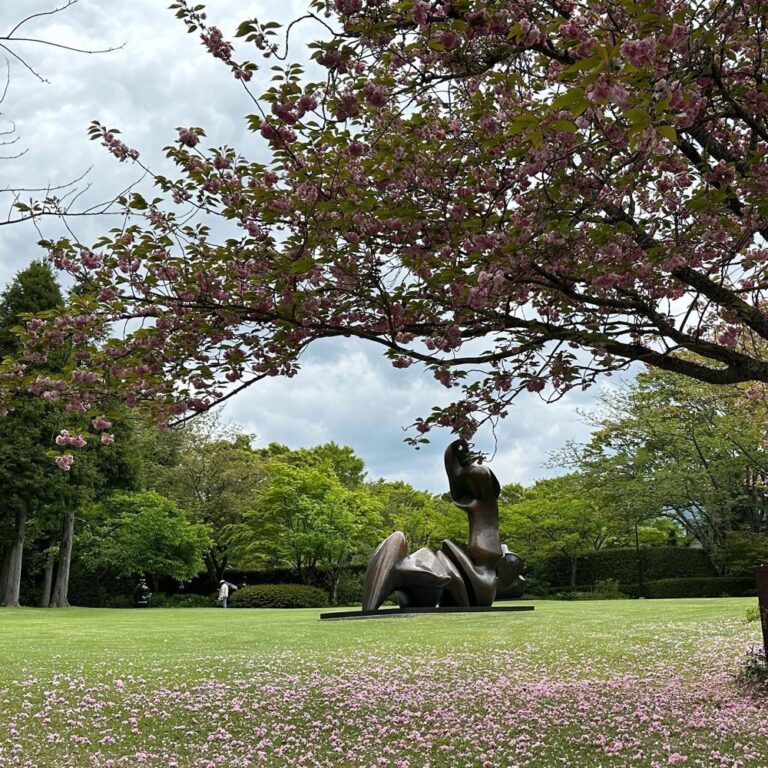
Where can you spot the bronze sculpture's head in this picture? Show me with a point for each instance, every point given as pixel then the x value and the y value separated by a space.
pixel 468 481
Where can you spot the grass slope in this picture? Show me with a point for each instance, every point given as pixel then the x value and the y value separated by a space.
pixel 623 683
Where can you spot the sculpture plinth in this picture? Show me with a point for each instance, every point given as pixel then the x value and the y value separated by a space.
pixel 450 577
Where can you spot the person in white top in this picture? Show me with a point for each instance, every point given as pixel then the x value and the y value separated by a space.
pixel 223 594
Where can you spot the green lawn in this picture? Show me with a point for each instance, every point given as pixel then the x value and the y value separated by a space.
pixel 646 683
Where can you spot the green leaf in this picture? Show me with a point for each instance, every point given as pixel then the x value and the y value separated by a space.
pixel 579 66
pixel 638 116
pixel 568 99
pixel 668 132
pixel 300 265
pixel 138 203
pixel 563 125
pixel 521 123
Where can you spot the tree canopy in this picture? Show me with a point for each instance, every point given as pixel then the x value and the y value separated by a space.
pixel 210 471
pixel 137 533
pixel 688 451
pixel 520 196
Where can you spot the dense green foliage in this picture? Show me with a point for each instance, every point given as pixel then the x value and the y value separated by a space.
pixel 692 453
pixel 161 600
pixel 210 471
pixel 279 596
pixel 701 586
pixel 622 564
pixel 34 289
pixel 144 532
pixel 558 517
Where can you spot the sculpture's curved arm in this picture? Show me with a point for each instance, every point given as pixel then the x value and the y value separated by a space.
pixel 475 488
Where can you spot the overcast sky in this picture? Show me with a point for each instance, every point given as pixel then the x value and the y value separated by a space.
pixel 160 79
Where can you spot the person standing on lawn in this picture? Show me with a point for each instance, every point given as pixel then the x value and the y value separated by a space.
pixel 223 594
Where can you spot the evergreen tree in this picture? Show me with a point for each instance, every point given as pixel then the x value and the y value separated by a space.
pixel 25 433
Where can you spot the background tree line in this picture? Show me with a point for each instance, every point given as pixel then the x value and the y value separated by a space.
pixel 176 503
pixel 671 462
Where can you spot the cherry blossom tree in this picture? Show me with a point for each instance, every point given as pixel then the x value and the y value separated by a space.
pixel 517 195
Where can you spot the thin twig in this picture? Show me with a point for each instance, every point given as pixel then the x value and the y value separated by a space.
pixel 42 13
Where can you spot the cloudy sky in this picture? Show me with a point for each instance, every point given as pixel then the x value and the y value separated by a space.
pixel 162 78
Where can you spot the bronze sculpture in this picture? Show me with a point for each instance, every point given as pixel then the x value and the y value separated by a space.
pixel 450 577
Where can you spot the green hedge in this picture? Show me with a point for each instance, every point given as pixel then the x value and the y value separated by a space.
pixel 279 596
pixel 621 564
pixel 704 586
pixel 712 586
pixel 160 600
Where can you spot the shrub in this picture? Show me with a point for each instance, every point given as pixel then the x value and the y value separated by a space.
pixel 161 600
pixel 713 586
pixel 754 668
pixel 675 563
pixel 621 565
pixel 607 589
pixel 534 586
pixel 279 596
pixel 119 601
pixel 191 601
pixel 752 614
pixel 349 590
pixel 158 600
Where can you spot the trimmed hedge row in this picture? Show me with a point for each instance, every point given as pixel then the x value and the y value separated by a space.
pixel 182 601
pixel 705 586
pixel 279 596
pixel 658 563
pixel 712 586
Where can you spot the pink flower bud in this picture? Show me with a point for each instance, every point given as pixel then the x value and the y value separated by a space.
pixel 188 137
pixel 64 462
pixel 62 438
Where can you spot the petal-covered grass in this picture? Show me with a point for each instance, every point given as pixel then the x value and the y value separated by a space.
pixel 623 683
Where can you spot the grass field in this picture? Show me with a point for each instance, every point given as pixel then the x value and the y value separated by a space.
pixel 623 683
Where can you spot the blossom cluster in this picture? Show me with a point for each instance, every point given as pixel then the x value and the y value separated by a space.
pixel 65 438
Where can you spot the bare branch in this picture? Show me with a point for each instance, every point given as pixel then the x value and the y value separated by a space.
pixel 40 41
pixel 42 13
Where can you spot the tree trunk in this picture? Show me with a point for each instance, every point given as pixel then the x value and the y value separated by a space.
pixel 12 565
pixel 45 597
pixel 335 576
pixel 572 576
pixel 5 553
pixel 214 567
pixel 61 588
pixel 210 567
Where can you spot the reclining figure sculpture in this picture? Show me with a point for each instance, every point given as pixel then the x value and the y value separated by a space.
pixel 450 577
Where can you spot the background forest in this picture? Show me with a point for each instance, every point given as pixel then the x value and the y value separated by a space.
pixel 668 498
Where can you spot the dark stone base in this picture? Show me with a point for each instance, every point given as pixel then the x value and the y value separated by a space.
pixel 386 613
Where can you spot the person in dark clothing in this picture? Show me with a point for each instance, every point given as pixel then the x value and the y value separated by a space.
pixel 141 594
